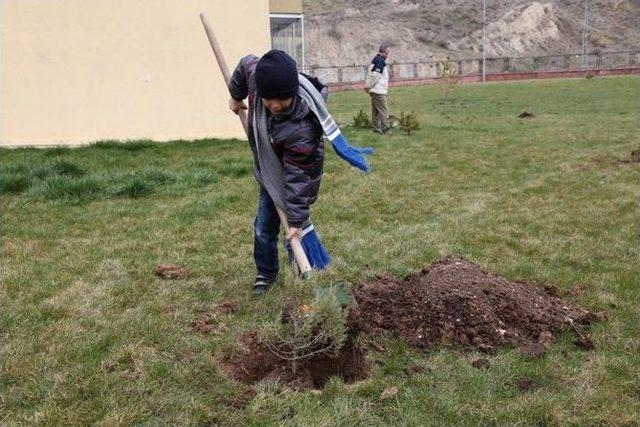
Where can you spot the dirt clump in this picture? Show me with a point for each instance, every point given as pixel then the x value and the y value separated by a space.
pixel 228 306
pixel 456 302
pixel 242 399
pixel 481 364
pixel 634 157
pixel 527 384
pixel 532 349
pixel 526 115
pixel 546 339
pixel 584 343
pixel 207 320
pixel 417 369
pixel 576 291
pixel 389 393
pixel 170 271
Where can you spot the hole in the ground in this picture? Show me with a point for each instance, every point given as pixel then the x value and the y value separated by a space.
pixel 259 363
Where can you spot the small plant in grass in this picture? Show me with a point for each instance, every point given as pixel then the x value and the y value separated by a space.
pixel 589 75
pixel 361 120
pixel 305 330
pixel 449 77
pixel 409 122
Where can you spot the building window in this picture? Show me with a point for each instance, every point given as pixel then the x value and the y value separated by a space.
pixel 287 33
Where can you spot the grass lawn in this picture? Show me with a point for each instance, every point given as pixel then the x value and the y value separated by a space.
pixel 89 335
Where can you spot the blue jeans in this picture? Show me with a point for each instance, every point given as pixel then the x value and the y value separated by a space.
pixel 266 227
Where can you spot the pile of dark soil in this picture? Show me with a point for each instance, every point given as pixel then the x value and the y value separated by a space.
pixel 457 302
pixel 635 156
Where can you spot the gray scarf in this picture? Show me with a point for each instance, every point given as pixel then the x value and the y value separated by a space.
pixel 270 175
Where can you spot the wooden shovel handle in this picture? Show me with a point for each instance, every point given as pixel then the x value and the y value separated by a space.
pixel 296 246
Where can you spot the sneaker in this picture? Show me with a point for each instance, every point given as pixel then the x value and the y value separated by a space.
pixel 387 132
pixel 261 285
pixel 377 131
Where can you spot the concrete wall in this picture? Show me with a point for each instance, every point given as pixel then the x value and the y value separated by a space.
pixel 76 71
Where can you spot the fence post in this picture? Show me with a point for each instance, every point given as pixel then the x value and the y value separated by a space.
pixel 480 70
pixel 339 74
pixel 415 70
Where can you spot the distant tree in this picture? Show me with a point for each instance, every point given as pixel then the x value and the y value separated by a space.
pixel 361 120
pixel 449 77
pixel 409 122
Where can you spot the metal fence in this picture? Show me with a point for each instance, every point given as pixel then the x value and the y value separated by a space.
pixel 468 67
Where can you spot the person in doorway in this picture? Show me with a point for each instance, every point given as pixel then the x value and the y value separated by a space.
pixel 377 86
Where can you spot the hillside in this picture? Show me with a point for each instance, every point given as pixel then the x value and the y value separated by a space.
pixel 344 32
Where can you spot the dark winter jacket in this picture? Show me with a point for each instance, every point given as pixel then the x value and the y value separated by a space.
pixel 296 137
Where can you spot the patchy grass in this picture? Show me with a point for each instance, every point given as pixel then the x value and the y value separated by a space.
pixel 236 169
pixel 67 182
pixel 126 146
pixel 90 335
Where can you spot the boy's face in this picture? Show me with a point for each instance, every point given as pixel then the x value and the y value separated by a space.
pixel 277 106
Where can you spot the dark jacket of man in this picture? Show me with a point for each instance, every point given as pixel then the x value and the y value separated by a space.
pixel 296 136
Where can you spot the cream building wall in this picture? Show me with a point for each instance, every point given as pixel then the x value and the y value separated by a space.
pixel 77 71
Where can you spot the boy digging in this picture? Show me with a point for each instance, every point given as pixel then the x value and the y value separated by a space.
pixel 287 120
pixel 295 135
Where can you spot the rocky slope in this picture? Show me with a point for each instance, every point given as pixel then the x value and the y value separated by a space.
pixel 345 32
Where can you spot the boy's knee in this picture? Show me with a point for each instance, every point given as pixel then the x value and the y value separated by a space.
pixel 265 228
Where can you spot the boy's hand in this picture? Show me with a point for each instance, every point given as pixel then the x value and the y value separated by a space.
pixel 294 232
pixel 236 106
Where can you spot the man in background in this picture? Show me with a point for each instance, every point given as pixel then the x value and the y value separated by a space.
pixel 377 86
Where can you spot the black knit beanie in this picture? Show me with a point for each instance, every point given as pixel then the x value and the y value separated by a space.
pixel 277 75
